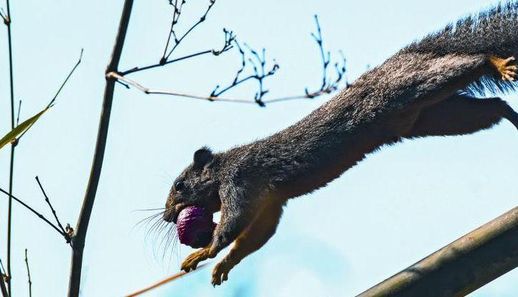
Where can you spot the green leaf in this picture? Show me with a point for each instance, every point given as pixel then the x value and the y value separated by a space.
pixel 20 129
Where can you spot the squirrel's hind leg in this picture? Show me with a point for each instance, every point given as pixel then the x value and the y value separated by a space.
pixel 461 114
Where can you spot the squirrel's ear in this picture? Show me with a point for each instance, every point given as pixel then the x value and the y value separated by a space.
pixel 202 157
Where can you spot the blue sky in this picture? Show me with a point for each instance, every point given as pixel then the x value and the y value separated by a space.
pixel 397 206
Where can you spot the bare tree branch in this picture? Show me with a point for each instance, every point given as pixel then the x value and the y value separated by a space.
pixel 165 59
pixel 4 17
pixel 29 281
pixel 51 207
pixel 177 41
pixel 328 85
pixel 39 215
pixel 3 288
pixel 3 277
pixel 142 68
pixel 249 56
pixel 150 91
pixel 176 16
pixel 7 21
pixel 258 63
pixel 19 111
pixel 2 268
pixel 11 174
pixel 78 241
pixel 229 37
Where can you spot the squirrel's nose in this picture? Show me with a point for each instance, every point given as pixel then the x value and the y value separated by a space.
pixel 169 215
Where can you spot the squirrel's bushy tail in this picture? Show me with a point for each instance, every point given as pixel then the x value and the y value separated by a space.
pixel 492 32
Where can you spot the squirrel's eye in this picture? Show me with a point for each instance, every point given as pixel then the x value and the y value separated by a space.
pixel 179 185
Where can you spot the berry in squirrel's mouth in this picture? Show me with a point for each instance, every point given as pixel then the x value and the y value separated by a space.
pixel 195 226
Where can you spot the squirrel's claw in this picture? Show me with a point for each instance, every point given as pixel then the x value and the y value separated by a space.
pixel 220 273
pixel 191 262
pixel 506 67
pixel 510 73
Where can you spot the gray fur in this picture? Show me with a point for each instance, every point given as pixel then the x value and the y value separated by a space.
pixel 492 32
pixel 411 95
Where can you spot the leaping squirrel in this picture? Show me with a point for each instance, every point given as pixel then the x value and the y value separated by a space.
pixel 425 89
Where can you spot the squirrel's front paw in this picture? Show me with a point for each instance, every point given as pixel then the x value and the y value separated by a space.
pixel 220 272
pixel 191 262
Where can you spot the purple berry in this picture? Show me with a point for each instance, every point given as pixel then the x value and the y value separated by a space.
pixel 195 226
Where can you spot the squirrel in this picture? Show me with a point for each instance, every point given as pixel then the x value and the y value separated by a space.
pixel 428 88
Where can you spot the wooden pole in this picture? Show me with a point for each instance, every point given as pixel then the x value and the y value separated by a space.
pixel 461 267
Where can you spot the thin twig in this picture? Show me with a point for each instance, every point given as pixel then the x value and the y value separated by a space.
pixel 176 16
pixel 3 276
pixel 19 111
pixel 4 17
pixel 123 84
pixel 328 85
pixel 173 22
pixel 78 241
pixel 326 57
pixel 166 56
pixel 66 79
pixel 236 80
pixel 142 68
pixel 179 40
pixel 260 73
pixel 3 289
pixel 28 273
pixel 50 205
pixel 9 215
pixel 53 100
pixel 39 215
pixel 150 91
pixel 8 21
pixel 227 46
pixel 258 63
pixel 163 282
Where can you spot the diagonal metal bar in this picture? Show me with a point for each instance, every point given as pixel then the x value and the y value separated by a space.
pixel 461 267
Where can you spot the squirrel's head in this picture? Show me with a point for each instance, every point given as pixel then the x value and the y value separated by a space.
pixel 197 185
